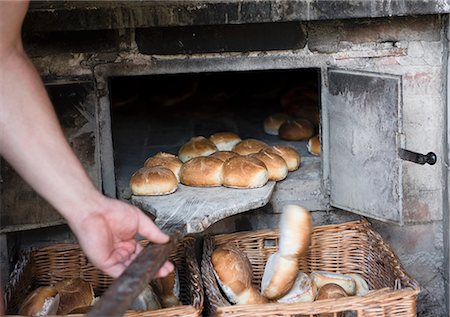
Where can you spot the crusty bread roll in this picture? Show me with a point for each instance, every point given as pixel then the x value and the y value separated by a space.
pixel 153 181
pixel 224 155
pixel 234 274
pixel 303 291
pixel 279 276
pixel 244 172
pixel 225 141
pixel 168 289
pixel 275 165
pixel 273 122
pixel 74 293
pixel 331 291
pixel 289 154
pixel 249 146
pixel 41 302
pixel 296 130
pixel 195 147
pixel 202 171
pixel 314 145
pixel 362 288
pixel 166 160
pixel 295 238
pixel 321 278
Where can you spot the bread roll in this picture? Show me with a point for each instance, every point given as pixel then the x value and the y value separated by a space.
pixel 273 122
pixel 303 291
pixel 296 130
pixel 224 155
pixel 362 288
pixel 168 289
pixel 244 172
pixel 234 274
pixel 331 291
pixel 153 181
pixel 41 302
pixel 225 141
pixel 314 145
pixel 279 276
pixel 320 279
pixel 195 147
pixel 74 293
pixel 295 237
pixel 274 163
pixel 202 171
pixel 289 154
pixel 249 146
pixel 166 160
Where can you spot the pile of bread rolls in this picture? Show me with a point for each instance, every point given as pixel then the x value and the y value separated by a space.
pixel 282 281
pixel 223 159
pixel 76 296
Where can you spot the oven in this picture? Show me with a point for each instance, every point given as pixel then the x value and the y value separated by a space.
pixel 130 79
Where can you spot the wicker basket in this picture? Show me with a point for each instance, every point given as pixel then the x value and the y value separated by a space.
pixel 352 247
pixel 48 265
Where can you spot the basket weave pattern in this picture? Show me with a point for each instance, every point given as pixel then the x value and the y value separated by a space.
pixel 48 265
pixel 352 247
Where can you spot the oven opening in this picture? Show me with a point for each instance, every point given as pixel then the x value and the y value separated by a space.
pixel 159 113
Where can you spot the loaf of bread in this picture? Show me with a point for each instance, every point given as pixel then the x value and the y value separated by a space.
pixel 295 238
pixel 314 145
pixel 224 155
pixel 244 172
pixel 289 154
pixel 225 141
pixel 41 302
pixel 275 164
pixel 234 274
pixel 296 130
pixel 362 288
pixel 168 289
pixel 153 181
pixel 202 171
pixel 249 146
pixel 321 278
pixel 74 293
pixel 303 291
pixel 166 160
pixel 273 122
pixel 331 291
pixel 195 147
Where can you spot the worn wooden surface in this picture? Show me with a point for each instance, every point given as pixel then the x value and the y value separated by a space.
pixel 200 207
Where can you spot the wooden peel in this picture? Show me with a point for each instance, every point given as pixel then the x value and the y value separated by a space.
pixel 188 210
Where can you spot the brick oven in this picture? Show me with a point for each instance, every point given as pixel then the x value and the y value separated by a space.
pixel 129 79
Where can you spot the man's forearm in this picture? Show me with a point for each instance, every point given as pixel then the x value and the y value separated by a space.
pixel 32 141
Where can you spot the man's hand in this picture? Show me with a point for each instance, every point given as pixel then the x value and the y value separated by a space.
pixel 107 236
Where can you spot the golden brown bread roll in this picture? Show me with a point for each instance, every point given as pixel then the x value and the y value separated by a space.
pixel 273 122
pixel 362 288
pixel 195 147
pixel 321 278
pixel 225 141
pixel 249 146
pixel 275 164
pixel 153 181
pixel 331 291
pixel 314 145
pixel 168 289
pixel 166 160
pixel 295 238
pixel 234 274
pixel 244 172
pixel 224 155
pixel 41 302
pixel 74 293
pixel 202 171
pixel 289 154
pixel 296 130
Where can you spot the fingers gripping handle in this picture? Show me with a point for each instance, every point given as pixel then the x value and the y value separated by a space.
pixel 122 292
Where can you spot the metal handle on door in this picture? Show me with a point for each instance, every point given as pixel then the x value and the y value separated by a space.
pixel 429 158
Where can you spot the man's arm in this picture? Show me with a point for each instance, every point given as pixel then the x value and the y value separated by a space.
pixel 32 141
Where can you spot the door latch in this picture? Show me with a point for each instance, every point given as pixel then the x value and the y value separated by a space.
pixel 418 158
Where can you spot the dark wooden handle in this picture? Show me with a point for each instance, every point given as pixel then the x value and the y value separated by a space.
pixel 122 292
